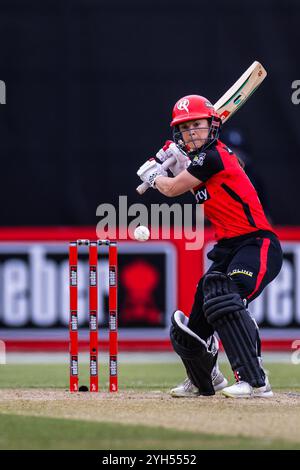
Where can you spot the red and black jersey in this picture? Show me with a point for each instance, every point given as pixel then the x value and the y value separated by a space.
pixel 231 201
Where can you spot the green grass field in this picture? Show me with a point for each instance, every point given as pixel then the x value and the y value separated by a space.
pixel 43 424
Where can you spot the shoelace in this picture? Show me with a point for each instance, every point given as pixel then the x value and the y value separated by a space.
pixel 188 385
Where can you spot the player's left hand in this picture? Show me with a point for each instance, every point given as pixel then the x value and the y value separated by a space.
pixel 150 170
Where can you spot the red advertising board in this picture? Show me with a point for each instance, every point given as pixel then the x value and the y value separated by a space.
pixel 156 277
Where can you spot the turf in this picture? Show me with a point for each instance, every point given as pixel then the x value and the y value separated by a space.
pixel 35 432
pixel 26 432
pixel 131 376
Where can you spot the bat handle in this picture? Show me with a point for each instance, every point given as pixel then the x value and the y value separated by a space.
pixel 142 188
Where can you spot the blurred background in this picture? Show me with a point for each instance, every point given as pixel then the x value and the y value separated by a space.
pixel 90 86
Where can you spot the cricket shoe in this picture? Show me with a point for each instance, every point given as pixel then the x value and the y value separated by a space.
pixel 244 390
pixel 218 379
pixel 188 390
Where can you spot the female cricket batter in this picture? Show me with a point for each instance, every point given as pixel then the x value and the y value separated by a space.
pixel 246 257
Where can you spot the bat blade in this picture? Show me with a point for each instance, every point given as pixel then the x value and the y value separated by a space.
pixel 240 91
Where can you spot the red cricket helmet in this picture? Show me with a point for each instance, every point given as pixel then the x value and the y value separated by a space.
pixel 192 107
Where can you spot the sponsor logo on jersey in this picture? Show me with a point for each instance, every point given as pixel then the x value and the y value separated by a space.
pixel 241 271
pixel 199 159
pixel 202 195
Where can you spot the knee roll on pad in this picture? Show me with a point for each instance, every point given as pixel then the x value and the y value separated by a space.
pixel 198 356
pixel 224 305
pixel 225 311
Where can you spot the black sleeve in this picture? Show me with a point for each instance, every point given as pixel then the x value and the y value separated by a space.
pixel 206 164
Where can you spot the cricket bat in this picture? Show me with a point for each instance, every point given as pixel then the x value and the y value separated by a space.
pixel 230 102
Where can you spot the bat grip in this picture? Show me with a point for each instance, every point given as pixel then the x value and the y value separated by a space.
pixel 142 188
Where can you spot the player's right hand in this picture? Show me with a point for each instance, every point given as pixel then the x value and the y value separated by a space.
pixel 169 150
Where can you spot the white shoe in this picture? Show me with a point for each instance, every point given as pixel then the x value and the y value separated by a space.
pixel 244 390
pixel 185 389
pixel 218 379
pixel 188 390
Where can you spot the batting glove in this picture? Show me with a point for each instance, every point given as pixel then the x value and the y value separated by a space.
pixel 169 150
pixel 150 170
